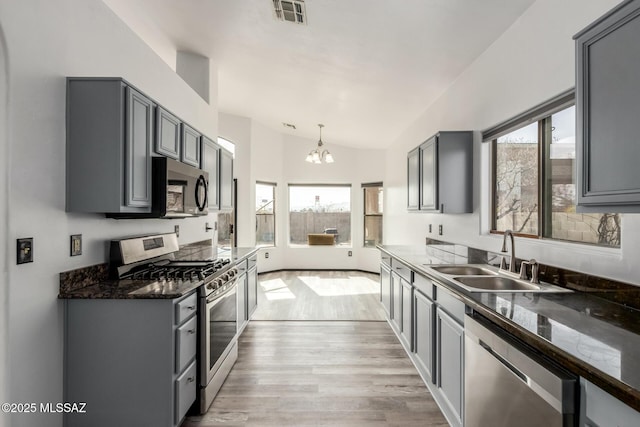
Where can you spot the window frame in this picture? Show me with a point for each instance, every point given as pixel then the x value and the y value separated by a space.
pixel 542 114
pixel 336 185
pixel 365 214
pixel 274 186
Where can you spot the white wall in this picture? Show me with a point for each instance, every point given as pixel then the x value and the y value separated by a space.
pixel 530 63
pixel 47 41
pixel 271 156
pixel 4 217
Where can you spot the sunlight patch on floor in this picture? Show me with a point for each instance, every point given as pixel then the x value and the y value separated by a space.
pixel 276 289
pixel 331 287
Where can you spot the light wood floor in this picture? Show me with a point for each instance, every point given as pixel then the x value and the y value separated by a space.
pixel 318 352
pixel 319 295
pixel 321 373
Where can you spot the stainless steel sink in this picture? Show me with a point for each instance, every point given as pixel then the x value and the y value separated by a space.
pixel 463 270
pixel 497 283
pixel 503 284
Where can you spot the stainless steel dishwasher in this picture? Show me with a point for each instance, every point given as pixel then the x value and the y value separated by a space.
pixel 507 385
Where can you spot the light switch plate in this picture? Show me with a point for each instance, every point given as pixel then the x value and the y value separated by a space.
pixel 76 245
pixel 24 250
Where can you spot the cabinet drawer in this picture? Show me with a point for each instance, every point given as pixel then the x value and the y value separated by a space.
pixel 453 306
pixel 252 262
pixel 242 267
pixel 401 270
pixel 385 259
pixel 424 285
pixel 185 392
pixel 186 343
pixel 186 308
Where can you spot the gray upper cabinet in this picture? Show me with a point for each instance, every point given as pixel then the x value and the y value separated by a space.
pixel 190 146
pixel 440 174
pixel 109 137
pixel 167 134
pixel 413 180
pixel 429 175
pixel 211 163
pixel 226 180
pixel 607 108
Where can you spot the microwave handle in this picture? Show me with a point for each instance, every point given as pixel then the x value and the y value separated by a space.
pixel 201 182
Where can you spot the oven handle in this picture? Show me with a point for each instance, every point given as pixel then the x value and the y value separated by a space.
pixel 216 297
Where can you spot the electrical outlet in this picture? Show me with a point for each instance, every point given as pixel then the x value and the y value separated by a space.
pixel 440 229
pixel 430 230
pixel 176 229
pixel 76 245
pixel 350 253
pixel 24 250
pixel 266 254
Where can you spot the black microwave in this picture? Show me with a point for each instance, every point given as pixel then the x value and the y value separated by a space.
pixel 179 190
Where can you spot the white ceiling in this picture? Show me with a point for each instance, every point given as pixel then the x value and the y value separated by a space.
pixel 366 69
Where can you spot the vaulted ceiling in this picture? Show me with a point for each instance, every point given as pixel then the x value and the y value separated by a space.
pixel 366 69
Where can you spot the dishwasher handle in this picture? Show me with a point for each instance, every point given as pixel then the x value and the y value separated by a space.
pixel 553 384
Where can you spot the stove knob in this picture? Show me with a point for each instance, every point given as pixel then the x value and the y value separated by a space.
pixel 210 286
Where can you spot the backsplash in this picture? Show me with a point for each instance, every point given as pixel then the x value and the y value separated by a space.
pixel 611 290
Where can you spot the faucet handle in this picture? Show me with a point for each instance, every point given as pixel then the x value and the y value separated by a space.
pixel 523 269
pixel 535 269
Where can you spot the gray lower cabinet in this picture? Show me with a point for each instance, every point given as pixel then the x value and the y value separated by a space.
pixel 607 111
pixel 210 162
pixel 109 138
pixel 132 361
pixel 190 146
pixel 385 289
pixel 423 330
pixel 406 331
pixel 252 286
pixel 440 174
pixel 241 297
pixel 450 363
pixel 168 134
pixel 226 180
pixel 600 409
pixel 396 302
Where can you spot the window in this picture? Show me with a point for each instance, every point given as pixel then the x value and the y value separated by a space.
pixel 534 188
pixel 372 214
pixel 319 209
pixel 265 214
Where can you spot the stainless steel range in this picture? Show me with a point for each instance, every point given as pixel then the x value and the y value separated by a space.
pixel 153 259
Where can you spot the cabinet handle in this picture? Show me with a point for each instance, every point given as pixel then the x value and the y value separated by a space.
pixel 191 331
pixel 191 307
pixel 190 379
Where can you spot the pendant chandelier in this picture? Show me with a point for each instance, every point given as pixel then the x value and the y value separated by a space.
pixel 320 154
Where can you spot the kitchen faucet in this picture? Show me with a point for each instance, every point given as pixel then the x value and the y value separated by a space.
pixel 512 262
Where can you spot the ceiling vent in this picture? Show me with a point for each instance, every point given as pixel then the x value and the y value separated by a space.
pixel 290 10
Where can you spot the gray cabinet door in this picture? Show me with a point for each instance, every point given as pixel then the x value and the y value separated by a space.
pixel 407 315
pixel 167 134
pixel 450 361
pixel 139 132
pixel 190 146
pixel 429 174
pixel 607 112
pixel 413 180
pixel 241 299
pixel 211 164
pixel 226 180
pixel 396 301
pixel 385 289
pixel 252 291
pixel 423 331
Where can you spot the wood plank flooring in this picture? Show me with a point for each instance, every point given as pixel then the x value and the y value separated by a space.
pixel 321 373
pixel 319 295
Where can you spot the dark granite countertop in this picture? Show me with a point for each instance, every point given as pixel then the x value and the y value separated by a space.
pixel 590 336
pixel 93 282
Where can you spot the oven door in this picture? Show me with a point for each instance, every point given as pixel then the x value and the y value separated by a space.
pixel 219 330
